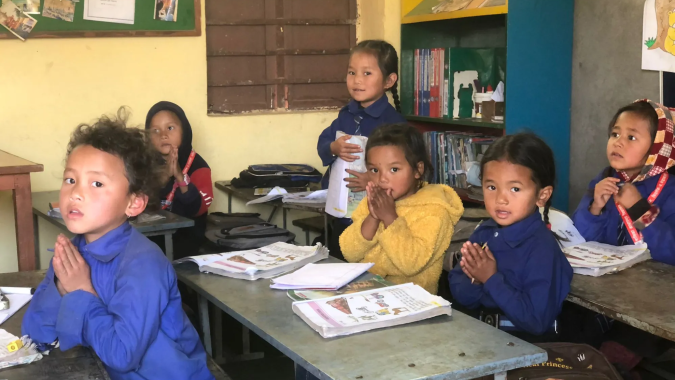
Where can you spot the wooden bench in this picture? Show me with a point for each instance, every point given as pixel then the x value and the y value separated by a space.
pixel 315 224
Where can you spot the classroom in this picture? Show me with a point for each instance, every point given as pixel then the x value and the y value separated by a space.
pixel 171 203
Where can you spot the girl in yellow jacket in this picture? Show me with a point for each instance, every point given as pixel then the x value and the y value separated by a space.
pixel 404 225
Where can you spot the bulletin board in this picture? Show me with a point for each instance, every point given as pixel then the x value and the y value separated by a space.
pixel 188 23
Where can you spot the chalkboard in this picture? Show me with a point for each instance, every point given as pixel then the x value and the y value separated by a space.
pixel 188 24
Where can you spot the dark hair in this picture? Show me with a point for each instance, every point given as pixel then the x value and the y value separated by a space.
pixel 132 145
pixel 644 111
pixel 410 140
pixel 387 60
pixel 530 151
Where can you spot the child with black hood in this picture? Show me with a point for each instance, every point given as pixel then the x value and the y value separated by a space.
pixel 188 189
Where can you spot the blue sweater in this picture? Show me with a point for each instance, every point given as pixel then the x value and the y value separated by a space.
pixel 136 325
pixel 533 276
pixel 378 113
pixel 659 235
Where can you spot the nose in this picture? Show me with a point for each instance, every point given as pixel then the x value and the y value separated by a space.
pixel 502 197
pixel 76 193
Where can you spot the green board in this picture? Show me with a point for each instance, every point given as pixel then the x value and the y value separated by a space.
pixel 188 23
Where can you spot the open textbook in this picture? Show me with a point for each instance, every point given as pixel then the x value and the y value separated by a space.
pixel 593 258
pixel 359 285
pixel 258 263
pixel 367 310
pixel 341 201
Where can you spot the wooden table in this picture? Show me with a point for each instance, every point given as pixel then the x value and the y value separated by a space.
pixel 78 363
pixel 457 347
pixel 166 227
pixel 15 176
pixel 641 296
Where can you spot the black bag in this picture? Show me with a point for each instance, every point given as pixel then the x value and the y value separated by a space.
pixel 271 175
pixel 227 221
pixel 568 361
pixel 249 237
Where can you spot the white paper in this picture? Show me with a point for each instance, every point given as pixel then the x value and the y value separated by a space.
pixel 498 95
pixel 276 193
pixel 597 255
pixel 341 201
pixel 564 228
pixel 115 11
pixel 16 302
pixel 321 276
pixel 25 355
pixel 314 197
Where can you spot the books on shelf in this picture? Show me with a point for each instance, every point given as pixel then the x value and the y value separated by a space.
pixel 359 285
pixel 265 262
pixel 593 258
pixel 451 155
pixel 371 309
pixel 332 276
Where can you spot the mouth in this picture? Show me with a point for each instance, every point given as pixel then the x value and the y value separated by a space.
pixel 357 90
pixel 615 155
pixel 74 214
pixel 502 214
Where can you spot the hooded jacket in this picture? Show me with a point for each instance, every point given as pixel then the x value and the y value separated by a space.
pixel 411 249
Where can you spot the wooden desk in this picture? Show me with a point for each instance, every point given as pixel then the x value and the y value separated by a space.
pixel 166 227
pixel 15 176
pixel 641 296
pixel 78 363
pixel 457 347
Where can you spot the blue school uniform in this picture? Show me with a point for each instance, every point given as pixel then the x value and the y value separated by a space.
pixel 533 276
pixel 604 228
pixel 136 325
pixel 356 120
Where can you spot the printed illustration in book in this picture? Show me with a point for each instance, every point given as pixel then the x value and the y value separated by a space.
pixel 366 307
pixel 592 254
pixel 376 282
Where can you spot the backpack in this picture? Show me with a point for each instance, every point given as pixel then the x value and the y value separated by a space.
pixel 271 175
pixel 248 237
pixel 227 221
pixel 568 361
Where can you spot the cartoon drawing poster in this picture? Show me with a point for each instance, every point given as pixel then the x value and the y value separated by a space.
pixel 658 32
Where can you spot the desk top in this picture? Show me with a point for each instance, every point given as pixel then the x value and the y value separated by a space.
pixel 246 194
pixel 457 347
pixel 171 222
pixel 641 296
pixel 11 164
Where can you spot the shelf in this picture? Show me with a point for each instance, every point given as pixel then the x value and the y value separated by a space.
pixel 422 12
pixel 464 122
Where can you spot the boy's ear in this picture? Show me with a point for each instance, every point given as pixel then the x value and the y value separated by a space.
pixel 420 170
pixel 544 196
pixel 137 205
pixel 390 81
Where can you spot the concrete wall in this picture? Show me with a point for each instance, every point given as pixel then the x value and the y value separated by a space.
pixel 606 74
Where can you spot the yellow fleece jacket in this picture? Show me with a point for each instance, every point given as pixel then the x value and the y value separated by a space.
pixel 411 249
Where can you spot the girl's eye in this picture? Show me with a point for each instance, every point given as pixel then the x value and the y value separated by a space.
pixel 155 131
pixel 614 134
pixel 515 189
pixel 366 73
pixel 351 73
pixel 394 170
pixel 69 181
pixel 373 170
pixel 491 188
pixel 171 128
pixel 97 184
pixel 631 138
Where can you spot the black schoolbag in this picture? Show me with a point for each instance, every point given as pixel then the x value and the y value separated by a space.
pixel 271 175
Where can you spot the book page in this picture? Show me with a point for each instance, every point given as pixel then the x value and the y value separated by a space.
pixel 265 258
pixel 357 286
pixel 564 228
pixel 371 306
pixel 341 201
pixel 597 255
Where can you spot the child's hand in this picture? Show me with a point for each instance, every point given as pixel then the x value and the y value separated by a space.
pixel 479 263
pixel 60 288
pixel 359 182
pixel 628 196
pixel 381 203
pixel 71 270
pixel 173 166
pixel 603 191
pixel 344 150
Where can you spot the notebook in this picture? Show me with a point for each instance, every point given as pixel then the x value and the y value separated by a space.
pixel 331 276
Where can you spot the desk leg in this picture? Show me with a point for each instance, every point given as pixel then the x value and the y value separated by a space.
pixel 204 320
pixel 36 236
pixel 500 376
pixel 274 211
pixel 229 203
pixel 168 246
pixel 23 210
pixel 218 335
pixel 325 229
pixel 284 216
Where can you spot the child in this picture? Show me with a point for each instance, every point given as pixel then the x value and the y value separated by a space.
pixel 513 263
pixel 372 71
pixel 111 289
pixel 187 190
pixel 404 225
pixel 631 200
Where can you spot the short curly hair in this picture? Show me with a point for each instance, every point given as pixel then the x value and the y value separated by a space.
pixel 142 162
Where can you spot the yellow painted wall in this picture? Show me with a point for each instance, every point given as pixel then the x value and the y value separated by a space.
pixel 48 86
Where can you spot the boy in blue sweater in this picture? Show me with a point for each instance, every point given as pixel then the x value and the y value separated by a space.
pixel 110 288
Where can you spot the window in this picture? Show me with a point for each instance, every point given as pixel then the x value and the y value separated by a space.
pixel 268 55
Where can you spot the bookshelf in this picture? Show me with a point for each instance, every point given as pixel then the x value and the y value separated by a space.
pixel 537 37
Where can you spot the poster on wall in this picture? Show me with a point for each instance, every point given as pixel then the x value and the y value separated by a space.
pixel 17 22
pixel 658 35
pixel 28 6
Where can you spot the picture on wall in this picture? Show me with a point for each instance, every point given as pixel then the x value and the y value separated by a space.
pixel 17 22
pixel 658 35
